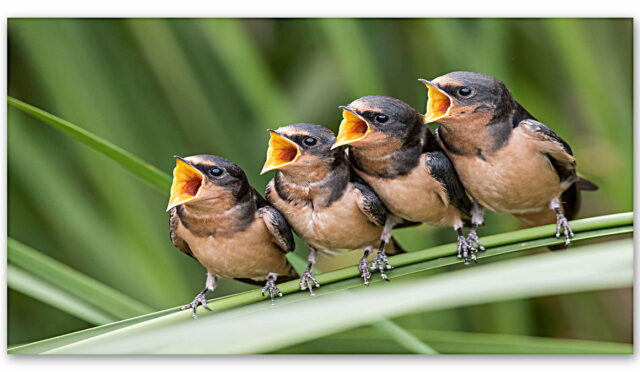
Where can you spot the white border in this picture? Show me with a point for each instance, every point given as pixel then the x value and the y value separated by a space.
pixel 288 8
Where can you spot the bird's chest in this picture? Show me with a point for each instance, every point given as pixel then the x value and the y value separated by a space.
pixel 341 225
pixel 515 179
pixel 416 196
pixel 248 253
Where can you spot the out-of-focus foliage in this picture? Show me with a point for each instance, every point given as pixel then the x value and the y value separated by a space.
pixel 163 87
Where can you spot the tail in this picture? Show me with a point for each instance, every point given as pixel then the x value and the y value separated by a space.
pixel 393 247
pixel 571 202
pixel 571 197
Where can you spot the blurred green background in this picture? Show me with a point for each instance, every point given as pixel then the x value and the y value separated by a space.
pixel 163 87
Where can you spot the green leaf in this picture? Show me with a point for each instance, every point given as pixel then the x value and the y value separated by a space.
pixel 370 341
pixel 244 64
pixel 602 266
pixel 32 272
pixel 403 337
pixel 145 171
pixel 359 67
pixel 44 291
pixel 436 257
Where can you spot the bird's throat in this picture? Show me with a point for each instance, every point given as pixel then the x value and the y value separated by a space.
pixel 474 138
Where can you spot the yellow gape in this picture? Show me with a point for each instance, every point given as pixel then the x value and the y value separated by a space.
pixel 187 183
pixel 353 128
pixel 439 104
pixel 281 152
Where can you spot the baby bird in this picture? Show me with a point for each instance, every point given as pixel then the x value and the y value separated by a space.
pixel 507 160
pixel 321 199
pixel 221 221
pixel 399 157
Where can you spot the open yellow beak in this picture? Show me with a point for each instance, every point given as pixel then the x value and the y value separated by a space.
pixel 281 152
pixel 187 183
pixel 439 104
pixel 353 128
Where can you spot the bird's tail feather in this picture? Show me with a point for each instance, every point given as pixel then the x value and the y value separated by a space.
pixel 584 184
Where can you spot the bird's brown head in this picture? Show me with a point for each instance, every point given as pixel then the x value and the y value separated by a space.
pixel 301 148
pixel 466 97
pixel 375 121
pixel 203 179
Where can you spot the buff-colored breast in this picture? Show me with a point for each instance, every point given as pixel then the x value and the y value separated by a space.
pixel 247 254
pixel 342 225
pixel 518 178
pixel 416 196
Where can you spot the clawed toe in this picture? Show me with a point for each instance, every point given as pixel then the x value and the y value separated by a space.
pixel 466 250
pixel 200 300
pixel 308 281
pixel 364 271
pixel 474 239
pixel 381 262
pixel 562 227
pixel 272 288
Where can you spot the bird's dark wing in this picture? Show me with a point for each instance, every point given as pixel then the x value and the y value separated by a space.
pixel 356 179
pixel 440 168
pixel 370 204
pixel 557 150
pixel 179 243
pixel 278 227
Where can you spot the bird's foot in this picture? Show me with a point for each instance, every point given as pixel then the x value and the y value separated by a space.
pixel 200 300
pixel 381 262
pixel 308 281
pixel 363 267
pixel 562 225
pixel 474 239
pixel 466 250
pixel 272 288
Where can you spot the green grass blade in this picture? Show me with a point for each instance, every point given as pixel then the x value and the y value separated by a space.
pixel 436 257
pixel 26 283
pixel 347 278
pixel 145 171
pixel 75 284
pixel 369 341
pixel 404 337
pixel 232 44
pixel 602 266
pixel 482 343
pixel 350 46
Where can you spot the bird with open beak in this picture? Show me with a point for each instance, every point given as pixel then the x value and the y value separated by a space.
pixel 507 160
pixel 323 201
pixel 399 157
pixel 221 221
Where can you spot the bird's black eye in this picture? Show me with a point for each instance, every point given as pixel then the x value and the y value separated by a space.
pixel 382 118
pixel 309 141
pixel 216 172
pixel 464 91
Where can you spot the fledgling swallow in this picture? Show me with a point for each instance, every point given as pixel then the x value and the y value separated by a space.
pixel 321 199
pixel 399 157
pixel 507 160
pixel 221 221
